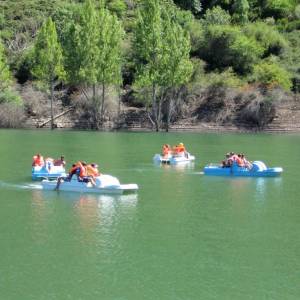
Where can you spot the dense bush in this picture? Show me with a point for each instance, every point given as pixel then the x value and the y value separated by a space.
pixel 270 75
pixel 227 46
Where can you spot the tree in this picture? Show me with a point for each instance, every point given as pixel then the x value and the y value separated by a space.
pixel 148 45
pixel 163 49
pixel 109 59
pixel 5 75
pixel 93 53
pixel 216 16
pixel 176 67
pixel 241 9
pixel 48 59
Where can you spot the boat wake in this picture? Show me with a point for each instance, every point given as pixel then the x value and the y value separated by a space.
pixel 24 186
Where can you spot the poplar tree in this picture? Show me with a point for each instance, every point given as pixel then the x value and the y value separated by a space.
pixel 93 53
pixel 241 10
pixel 176 65
pixel 5 75
pixel 109 46
pixel 149 48
pixel 162 48
pixel 48 58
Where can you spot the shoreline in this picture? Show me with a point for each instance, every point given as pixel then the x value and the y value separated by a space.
pixel 199 128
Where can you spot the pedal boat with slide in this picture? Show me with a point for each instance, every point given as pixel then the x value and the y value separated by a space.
pixel 105 184
pixel 173 159
pixel 47 171
pixel 259 169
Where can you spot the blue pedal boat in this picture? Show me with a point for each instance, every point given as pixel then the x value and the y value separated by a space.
pixel 259 169
pixel 47 171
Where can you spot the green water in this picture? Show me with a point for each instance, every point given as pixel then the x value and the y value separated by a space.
pixel 183 236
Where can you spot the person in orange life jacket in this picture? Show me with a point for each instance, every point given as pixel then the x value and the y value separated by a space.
pixel 38 160
pixel 83 175
pixel 60 162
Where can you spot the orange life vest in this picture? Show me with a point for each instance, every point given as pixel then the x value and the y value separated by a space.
pixel 91 171
pixel 38 161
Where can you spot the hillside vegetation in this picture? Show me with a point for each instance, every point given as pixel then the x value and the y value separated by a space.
pixel 222 61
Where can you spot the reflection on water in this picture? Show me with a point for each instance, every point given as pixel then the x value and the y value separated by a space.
pixel 179 167
pixel 89 209
pixel 264 184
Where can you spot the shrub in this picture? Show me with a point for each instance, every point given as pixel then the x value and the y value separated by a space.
pixel 11 115
pixel 227 46
pixel 10 96
pixel 216 16
pixel 278 8
pixel 267 36
pixel 270 75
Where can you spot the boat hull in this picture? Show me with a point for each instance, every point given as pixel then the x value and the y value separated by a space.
pixel 258 170
pixel 105 184
pixel 173 160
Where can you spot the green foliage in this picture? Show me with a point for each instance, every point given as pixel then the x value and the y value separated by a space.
pixel 290 58
pixel 162 47
pixel 47 54
pixel 176 67
pixel 216 16
pixel 241 10
pixel 192 5
pixel 278 8
pixel 227 79
pixel 267 36
pixel 10 96
pixel 5 75
pixel 227 46
pixel 148 41
pixel 271 75
pixel 117 6
pixel 92 47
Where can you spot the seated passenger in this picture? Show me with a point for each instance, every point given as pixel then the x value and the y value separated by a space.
pixel 246 163
pixel 60 162
pixel 166 150
pixel 83 175
pixel 38 160
pixel 179 150
pixel 227 162
pixel 92 170
pixel 240 161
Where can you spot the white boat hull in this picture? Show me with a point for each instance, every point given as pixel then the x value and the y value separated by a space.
pixel 173 160
pixel 105 184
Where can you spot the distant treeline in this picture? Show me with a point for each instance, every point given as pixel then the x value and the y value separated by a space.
pixel 158 54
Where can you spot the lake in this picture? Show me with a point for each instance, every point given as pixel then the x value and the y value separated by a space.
pixel 182 236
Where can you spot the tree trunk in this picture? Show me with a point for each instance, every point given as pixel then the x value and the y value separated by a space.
pixel 51 101
pixel 102 104
pixel 96 108
pixel 169 110
pixel 154 107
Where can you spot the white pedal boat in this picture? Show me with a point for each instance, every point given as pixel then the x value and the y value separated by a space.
pixel 105 184
pixel 174 159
